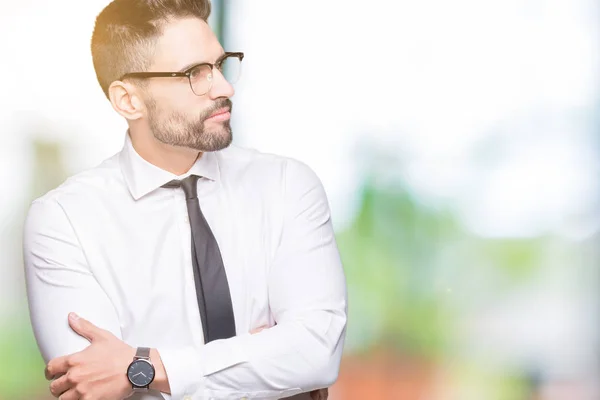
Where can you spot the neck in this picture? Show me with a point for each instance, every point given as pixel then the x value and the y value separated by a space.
pixel 176 160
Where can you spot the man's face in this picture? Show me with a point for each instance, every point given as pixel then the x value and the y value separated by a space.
pixel 175 115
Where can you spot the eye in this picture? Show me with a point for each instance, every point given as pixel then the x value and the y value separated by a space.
pixel 200 72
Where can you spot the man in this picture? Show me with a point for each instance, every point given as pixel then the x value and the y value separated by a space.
pixel 188 268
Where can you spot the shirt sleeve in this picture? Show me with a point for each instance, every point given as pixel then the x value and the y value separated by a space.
pixel 307 295
pixel 58 281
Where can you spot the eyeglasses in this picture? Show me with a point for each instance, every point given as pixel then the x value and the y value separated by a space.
pixel 201 75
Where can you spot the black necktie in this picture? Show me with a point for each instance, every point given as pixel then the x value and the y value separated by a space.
pixel 212 289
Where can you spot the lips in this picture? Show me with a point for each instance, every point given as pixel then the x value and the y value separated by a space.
pixel 220 111
pixel 221 115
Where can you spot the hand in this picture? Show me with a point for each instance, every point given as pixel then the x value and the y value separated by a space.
pixel 96 373
pixel 318 394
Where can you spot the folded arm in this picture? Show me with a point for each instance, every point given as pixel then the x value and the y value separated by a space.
pixel 59 281
pixel 307 296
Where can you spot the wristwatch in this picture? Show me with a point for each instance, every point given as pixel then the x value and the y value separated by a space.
pixel 141 371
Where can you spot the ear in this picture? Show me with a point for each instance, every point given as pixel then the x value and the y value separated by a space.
pixel 126 100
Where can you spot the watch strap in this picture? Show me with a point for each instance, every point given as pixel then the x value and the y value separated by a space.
pixel 142 352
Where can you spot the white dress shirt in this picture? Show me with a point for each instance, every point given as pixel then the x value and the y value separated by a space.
pixel 113 246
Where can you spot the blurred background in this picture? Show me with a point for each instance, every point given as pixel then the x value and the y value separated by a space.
pixel 459 144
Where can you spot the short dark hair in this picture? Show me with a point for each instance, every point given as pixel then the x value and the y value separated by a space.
pixel 126 32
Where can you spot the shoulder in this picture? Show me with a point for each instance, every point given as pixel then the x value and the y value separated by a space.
pixel 78 189
pixel 282 182
pixel 251 164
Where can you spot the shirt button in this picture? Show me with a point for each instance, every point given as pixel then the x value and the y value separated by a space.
pixel 187 221
pixel 187 398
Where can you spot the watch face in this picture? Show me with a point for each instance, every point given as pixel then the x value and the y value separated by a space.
pixel 140 373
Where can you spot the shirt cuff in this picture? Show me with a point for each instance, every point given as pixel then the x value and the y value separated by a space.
pixel 187 367
pixel 221 354
pixel 184 371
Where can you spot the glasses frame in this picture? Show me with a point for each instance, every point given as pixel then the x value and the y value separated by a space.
pixel 188 72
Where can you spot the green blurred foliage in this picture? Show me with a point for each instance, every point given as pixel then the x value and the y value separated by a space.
pixel 389 255
pixel 409 267
pixel 21 367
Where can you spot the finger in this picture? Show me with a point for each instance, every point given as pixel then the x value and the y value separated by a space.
pixel 256 330
pixel 85 328
pixel 319 394
pixel 61 385
pixel 71 394
pixel 56 367
pixel 47 374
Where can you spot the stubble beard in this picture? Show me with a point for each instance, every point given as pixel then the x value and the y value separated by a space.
pixel 176 129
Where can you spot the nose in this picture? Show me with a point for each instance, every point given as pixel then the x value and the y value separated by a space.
pixel 220 87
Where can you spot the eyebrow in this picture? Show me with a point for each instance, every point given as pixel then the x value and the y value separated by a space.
pixel 188 66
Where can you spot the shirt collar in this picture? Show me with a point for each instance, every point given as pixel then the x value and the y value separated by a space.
pixel 142 177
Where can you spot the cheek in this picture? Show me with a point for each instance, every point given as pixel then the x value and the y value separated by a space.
pixel 178 98
pixel 184 102
pixel 173 93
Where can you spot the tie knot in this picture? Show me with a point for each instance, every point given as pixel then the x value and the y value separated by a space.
pixel 188 184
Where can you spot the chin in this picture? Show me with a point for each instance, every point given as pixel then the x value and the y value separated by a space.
pixel 215 142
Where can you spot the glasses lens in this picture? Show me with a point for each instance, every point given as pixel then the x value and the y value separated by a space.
pixel 201 79
pixel 231 68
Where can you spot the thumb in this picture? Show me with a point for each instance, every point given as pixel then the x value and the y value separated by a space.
pixel 84 327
